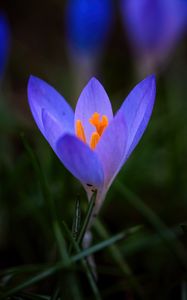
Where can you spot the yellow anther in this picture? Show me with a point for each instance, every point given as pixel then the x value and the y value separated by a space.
pixel 99 125
pixel 95 137
pixel 94 120
pixel 80 131
pixel 103 125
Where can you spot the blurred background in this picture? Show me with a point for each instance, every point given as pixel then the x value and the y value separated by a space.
pixel 120 43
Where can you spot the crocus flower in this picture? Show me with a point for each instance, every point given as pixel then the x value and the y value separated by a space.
pixel 88 24
pixel 4 42
pixel 154 26
pixel 92 143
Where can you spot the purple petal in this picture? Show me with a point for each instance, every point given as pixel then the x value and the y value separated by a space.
pixel 53 130
pixel 92 99
pixel 80 160
pixel 154 25
pixel 43 96
pixel 144 21
pixel 137 109
pixel 112 147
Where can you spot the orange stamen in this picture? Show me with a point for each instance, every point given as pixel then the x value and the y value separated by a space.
pixel 94 140
pixel 80 131
pixel 103 124
pixel 99 125
pixel 94 120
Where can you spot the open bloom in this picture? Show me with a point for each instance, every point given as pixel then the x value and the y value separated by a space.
pixel 92 143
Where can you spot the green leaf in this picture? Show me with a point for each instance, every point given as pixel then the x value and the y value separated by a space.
pixel 77 219
pixel 29 282
pixel 60 265
pixel 118 258
pixel 41 178
pixel 32 296
pixel 165 233
pixel 84 264
pixel 145 241
pixel 61 243
pixel 21 269
pixel 87 218
pixel 76 223
pixel 55 294
pixel 184 290
pixel 70 278
pixel 100 246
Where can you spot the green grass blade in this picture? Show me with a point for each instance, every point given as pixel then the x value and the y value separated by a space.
pixel 61 243
pixel 70 277
pixel 165 233
pixel 87 218
pixel 114 251
pixel 59 266
pixel 41 178
pixel 147 241
pixel 76 223
pixel 21 269
pixel 119 259
pixel 184 290
pixel 107 243
pixel 85 265
pixel 77 219
pixel 32 296
pixel 55 294
pixel 27 283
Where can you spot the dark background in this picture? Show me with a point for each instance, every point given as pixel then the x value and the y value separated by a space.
pixel 156 172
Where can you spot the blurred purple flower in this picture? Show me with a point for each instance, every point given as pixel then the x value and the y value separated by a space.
pixel 4 42
pixel 88 24
pixel 154 26
pixel 92 143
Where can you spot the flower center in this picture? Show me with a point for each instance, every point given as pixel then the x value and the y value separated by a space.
pixel 100 126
